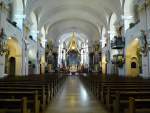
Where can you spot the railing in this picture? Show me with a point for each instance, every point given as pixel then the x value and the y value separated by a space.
pixel 117 43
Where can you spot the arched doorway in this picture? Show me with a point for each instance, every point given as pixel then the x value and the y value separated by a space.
pixel 12 66
pixel 13 63
pixel 133 59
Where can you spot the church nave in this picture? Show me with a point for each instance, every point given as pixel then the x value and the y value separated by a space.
pixel 74 56
pixel 74 98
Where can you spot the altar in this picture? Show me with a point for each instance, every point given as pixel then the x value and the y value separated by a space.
pixel 73 68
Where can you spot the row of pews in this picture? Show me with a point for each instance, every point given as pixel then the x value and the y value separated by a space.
pixel 120 95
pixel 30 94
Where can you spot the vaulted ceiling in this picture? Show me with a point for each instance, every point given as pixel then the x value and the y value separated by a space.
pixel 83 16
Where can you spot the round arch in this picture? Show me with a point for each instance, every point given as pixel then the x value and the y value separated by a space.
pixel 15 53
pixel 68 25
pixel 71 14
pixel 133 58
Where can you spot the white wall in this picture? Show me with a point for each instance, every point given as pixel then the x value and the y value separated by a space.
pixel 2 66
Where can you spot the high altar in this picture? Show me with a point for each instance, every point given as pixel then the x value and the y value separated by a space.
pixel 73 55
pixel 73 68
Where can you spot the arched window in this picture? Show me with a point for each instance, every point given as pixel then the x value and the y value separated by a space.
pixel 133 65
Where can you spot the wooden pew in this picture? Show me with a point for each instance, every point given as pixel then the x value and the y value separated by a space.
pixel 40 90
pixel 14 105
pixel 138 105
pixel 53 81
pixel 51 86
pixel 120 86
pixel 120 101
pixel 107 92
pixel 46 89
pixel 112 91
pixel 17 86
pixel 35 84
pixel 33 102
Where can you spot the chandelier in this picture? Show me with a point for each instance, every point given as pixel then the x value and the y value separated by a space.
pixel 3 45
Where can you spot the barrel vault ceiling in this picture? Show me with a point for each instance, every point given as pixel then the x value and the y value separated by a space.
pixel 62 16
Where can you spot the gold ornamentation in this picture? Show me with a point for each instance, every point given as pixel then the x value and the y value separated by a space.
pixel 73 46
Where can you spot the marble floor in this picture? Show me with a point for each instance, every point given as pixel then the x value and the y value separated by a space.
pixel 75 99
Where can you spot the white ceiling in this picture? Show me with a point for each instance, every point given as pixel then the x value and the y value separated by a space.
pixel 63 16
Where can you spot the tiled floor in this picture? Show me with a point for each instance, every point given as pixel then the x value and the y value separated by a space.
pixel 75 99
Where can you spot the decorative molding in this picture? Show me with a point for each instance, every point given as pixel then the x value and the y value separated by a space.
pixel 144 43
pixel 26 29
pixel 142 3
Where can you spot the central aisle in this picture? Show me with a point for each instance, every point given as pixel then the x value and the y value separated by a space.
pixel 75 99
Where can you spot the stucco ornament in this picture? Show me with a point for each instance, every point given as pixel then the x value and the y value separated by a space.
pixel 3 43
pixel 144 43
